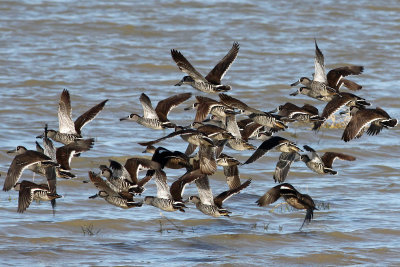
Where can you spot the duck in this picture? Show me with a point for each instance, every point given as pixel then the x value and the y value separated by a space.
pixel 64 154
pixel 232 127
pixel 69 131
pixel 206 105
pixel 252 130
pixel 210 205
pixel 306 113
pixel 274 142
pixel 157 118
pixel 255 131
pixel 337 103
pixel 125 177
pixel 169 159
pixel 106 191
pixel 269 120
pixel 373 119
pixel 293 197
pixel 219 136
pixel 49 150
pixel 30 191
pixel 26 159
pixel 192 136
pixel 170 198
pixel 323 165
pixel 212 82
pixel 318 87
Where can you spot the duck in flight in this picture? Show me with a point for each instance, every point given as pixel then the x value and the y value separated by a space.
pixel 212 82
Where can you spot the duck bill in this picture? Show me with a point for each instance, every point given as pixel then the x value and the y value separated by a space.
pixel 295 83
pixel 40 136
pixel 296 148
pixel 295 93
pixel 274 110
pixel 179 83
pixel 124 118
pixel 12 151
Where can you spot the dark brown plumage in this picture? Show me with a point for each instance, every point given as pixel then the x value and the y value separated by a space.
pixel 293 197
pixel 377 119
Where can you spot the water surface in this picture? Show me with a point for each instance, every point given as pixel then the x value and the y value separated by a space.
pixel 117 50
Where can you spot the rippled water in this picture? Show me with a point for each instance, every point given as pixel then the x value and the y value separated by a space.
pixel 118 49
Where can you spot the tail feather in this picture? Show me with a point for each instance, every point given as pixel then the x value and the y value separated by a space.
pixel 308 218
pixel 330 171
pixel 390 123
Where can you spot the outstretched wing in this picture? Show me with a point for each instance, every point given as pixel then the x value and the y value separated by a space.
pixel 227 194
pixel 185 66
pixel 329 157
pixel 88 116
pixel 148 110
pixel 165 106
pixel 319 65
pixel 217 73
pixel 65 123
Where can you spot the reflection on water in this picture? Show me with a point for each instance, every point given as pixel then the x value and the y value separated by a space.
pixel 99 50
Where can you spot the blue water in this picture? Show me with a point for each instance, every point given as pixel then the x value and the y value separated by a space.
pixel 117 50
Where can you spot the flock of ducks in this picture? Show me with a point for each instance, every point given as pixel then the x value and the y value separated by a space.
pixel 215 127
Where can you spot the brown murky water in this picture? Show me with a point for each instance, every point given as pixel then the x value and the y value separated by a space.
pixel 117 50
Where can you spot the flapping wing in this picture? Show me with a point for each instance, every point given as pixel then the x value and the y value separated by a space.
pixel 165 106
pixel 49 148
pixel 264 148
pixel 232 176
pixel 319 65
pixel 19 164
pixel 332 107
pixel 148 110
pixel 163 138
pixel 178 186
pixel 329 157
pixel 51 177
pixel 185 66
pixel 283 166
pixel 162 186
pixel 65 153
pixel 218 200
pixel 65 123
pixel 102 185
pixel 208 164
pixel 335 76
pixel 217 73
pixel 232 127
pixel 119 171
pixel 88 116
pixel 358 123
pixel 25 198
pixel 270 196
pixel 205 193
